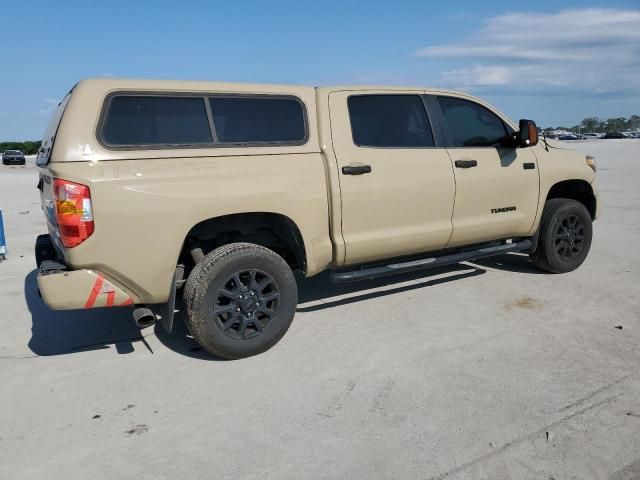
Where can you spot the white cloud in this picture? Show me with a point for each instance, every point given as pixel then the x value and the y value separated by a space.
pixel 481 74
pixel 50 106
pixel 595 50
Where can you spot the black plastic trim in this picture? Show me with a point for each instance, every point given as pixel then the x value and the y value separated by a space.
pixel 356 169
pixel 466 163
pixel 166 311
pixel 367 273
pixel 441 135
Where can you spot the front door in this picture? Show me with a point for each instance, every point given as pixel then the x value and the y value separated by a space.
pixel 497 187
pixel 397 190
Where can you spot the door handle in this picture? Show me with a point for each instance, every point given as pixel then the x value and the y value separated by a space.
pixel 466 163
pixel 529 166
pixel 356 169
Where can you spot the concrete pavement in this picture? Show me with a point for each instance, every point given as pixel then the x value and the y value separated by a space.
pixel 484 370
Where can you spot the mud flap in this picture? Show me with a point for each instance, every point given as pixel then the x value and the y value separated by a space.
pixel 534 242
pixel 166 310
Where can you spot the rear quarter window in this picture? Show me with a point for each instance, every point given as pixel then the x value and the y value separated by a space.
pixel 155 121
pixel 256 119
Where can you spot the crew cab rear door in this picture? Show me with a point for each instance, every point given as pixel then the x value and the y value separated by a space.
pixel 497 186
pixel 397 189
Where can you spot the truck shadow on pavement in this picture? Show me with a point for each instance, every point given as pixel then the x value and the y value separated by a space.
pixel 318 293
pixel 179 340
pixel 321 294
pixel 512 262
pixel 73 331
pixel 55 332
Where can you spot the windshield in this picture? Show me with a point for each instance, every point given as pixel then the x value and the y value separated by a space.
pixel 13 152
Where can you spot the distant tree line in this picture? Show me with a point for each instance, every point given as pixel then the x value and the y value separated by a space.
pixel 28 148
pixel 598 125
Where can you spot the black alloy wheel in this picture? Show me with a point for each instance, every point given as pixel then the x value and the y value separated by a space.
pixel 565 236
pixel 246 304
pixel 569 238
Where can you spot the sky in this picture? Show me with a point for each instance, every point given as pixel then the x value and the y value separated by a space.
pixel 553 62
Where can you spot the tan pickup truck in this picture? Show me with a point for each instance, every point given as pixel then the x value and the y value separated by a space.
pixel 220 191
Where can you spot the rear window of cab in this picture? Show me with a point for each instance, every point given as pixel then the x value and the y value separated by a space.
pixel 134 121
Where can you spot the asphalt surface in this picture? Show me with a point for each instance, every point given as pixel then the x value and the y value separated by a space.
pixel 485 370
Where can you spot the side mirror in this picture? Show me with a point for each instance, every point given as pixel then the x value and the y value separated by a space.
pixel 528 134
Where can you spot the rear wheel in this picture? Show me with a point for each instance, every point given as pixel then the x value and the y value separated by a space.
pixel 565 236
pixel 240 300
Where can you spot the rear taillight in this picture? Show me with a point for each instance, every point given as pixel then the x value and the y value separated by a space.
pixel 73 212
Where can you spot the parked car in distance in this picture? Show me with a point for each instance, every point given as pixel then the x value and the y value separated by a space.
pixel 589 136
pixel 569 136
pixel 632 134
pixel 614 135
pixel 248 183
pixel 13 157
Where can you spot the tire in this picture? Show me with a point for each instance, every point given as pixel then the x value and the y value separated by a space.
pixel 565 236
pixel 254 295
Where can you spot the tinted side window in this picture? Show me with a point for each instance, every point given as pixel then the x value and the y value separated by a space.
pixel 252 119
pixel 389 121
pixel 472 125
pixel 156 120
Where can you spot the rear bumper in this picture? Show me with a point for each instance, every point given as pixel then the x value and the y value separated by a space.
pixel 64 289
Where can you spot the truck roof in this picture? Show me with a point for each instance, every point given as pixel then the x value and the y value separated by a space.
pixel 108 84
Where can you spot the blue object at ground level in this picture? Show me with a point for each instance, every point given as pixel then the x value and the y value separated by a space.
pixel 3 243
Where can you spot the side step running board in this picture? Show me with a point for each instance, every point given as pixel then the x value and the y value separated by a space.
pixel 341 276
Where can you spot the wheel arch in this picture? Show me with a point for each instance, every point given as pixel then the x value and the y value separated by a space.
pixel 575 189
pixel 274 231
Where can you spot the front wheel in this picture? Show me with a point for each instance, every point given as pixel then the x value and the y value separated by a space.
pixel 565 236
pixel 240 300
